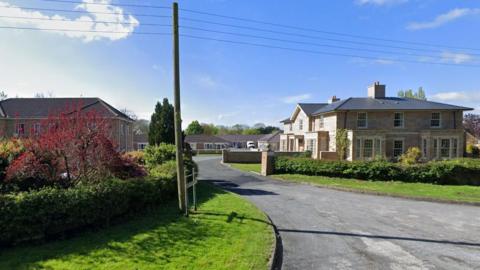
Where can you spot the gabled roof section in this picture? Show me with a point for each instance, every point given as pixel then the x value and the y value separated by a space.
pixel 310 108
pixel 387 103
pixel 43 107
pixel 307 108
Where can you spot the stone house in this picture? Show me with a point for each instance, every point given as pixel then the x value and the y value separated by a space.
pixel 377 127
pixel 22 117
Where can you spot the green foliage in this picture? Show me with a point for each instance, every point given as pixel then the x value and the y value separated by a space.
pixel 162 125
pixel 450 172
pixel 342 142
pixel 473 150
pixel 420 94
pixel 412 156
pixel 227 232
pixel 9 150
pixel 136 156
pixel 194 128
pixel 251 131
pixel 167 169
pixel 159 154
pixel 51 212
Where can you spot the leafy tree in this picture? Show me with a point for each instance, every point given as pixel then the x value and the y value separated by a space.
pixel 471 123
pixel 251 131
pixel 210 129
pixel 162 127
pixel 194 128
pixel 3 95
pixel 342 143
pixel 141 126
pixel 420 94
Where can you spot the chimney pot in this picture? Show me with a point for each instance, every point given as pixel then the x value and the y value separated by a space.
pixel 377 90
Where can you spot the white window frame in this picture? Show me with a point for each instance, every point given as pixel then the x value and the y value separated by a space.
pixel 439 120
pixel 36 129
pixel 366 120
pixel 300 124
pixel 451 153
pixel 377 142
pixel 141 146
pixel 17 129
pixel 425 143
pixel 372 148
pixel 321 122
pixel 393 147
pixel 402 119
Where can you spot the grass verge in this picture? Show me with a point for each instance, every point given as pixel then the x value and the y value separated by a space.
pixel 256 167
pixel 227 232
pixel 468 194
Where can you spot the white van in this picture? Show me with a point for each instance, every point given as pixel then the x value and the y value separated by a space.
pixel 250 144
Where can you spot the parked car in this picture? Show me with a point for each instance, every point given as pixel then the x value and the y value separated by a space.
pixel 250 144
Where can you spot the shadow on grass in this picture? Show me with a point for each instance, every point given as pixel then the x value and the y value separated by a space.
pixel 143 239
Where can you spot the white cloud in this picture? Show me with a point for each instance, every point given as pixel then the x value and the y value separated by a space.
pixel 95 19
pixel 296 99
pixel 206 81
pixel 457 58
pixel 380 2
pixel 445 18
pixel 457 96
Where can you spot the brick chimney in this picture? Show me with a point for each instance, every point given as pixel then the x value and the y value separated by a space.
pixel 377 90
pixel 333 99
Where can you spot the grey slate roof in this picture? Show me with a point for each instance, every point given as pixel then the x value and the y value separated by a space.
pixel 44 107
pixel 310 108
pixel 286 121
pixel 274 137
pixel 204 139
pixel 241 138
pixel 387 103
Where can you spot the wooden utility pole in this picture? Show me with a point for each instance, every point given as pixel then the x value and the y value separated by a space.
pixel 178 118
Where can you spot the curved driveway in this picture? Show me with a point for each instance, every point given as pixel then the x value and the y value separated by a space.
pixel 328 229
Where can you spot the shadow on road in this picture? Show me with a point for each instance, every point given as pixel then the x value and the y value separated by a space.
pixel 384 237
pixel 230 186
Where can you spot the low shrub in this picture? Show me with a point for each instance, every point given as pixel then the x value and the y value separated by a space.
pixel 52 212
pixel 158 154
pixel 473 150
pixel 9 150
pixel 451 172
pixel 167 169
pixel 136 156
pixel 412 156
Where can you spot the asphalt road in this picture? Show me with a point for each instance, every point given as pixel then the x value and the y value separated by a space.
pixel 328 229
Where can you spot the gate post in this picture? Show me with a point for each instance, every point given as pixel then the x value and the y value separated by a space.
pixel 268 161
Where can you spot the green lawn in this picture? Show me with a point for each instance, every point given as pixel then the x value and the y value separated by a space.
pixel 226 232
pixel 416 190
pixel 247 167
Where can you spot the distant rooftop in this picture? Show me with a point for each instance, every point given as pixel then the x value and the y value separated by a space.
pixel 44 107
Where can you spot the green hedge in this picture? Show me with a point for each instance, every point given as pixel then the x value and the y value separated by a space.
pixel 453 172
pixel 53 212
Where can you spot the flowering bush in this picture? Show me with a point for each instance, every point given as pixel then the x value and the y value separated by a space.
pixel 72 147
pixel 9 150
pixel 136 156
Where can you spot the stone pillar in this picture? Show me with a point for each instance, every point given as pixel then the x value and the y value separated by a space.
pixel 224 156
pixel 268 160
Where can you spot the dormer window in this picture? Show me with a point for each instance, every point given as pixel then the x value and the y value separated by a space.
pixel 435 120
pixel 362 120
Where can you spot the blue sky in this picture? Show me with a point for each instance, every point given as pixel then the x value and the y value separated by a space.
pixel 226 83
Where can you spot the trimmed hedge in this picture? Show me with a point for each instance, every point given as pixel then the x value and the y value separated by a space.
pixel 54 212
pixel 452 172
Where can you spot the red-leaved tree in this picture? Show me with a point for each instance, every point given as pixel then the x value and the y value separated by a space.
pixel 74 145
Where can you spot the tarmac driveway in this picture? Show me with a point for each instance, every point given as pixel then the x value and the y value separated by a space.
pixel 328 229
